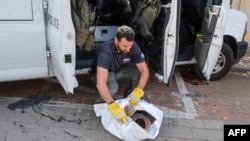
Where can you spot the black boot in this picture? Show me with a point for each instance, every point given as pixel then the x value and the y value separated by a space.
pixel 130 88
pixel 128 91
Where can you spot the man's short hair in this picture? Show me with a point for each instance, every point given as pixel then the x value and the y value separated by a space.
pixel 125 32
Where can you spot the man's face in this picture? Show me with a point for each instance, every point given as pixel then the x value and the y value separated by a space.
pixel 124 46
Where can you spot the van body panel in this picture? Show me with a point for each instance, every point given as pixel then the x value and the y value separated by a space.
pixel 234 26
pixel 16 10
pixel 23 74
pixel 61 42
pixel 23 46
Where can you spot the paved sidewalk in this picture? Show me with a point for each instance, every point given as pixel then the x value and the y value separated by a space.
pixel 62 121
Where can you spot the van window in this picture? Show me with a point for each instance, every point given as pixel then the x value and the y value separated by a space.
pixel 15 10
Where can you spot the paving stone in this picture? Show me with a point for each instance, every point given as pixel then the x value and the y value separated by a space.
pixel 177 139
pixel 189 123
pixel 210 124
pixel 210 135
pixel 170 121
pixel 221 125
pixel 165 121
pixel 176 132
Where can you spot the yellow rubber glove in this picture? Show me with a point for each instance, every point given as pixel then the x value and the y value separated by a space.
pixel 135 96
pixel 117 112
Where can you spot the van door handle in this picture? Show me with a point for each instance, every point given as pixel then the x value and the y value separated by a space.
pixel 216 36
pixel 67 58
pixel 170 35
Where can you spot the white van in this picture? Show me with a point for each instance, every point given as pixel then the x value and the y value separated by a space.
pixel 37 38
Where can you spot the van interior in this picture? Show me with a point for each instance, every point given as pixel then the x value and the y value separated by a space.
pixel 194 28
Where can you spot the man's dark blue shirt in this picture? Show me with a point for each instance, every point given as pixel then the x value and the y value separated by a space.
pixel 107 57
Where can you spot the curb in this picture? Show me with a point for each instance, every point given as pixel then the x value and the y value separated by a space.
pixel 240 67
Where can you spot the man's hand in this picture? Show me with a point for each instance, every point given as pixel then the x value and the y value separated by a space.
pixel 135 96
pixel 117 112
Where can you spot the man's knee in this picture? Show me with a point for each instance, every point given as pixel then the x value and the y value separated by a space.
pixel 113 91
